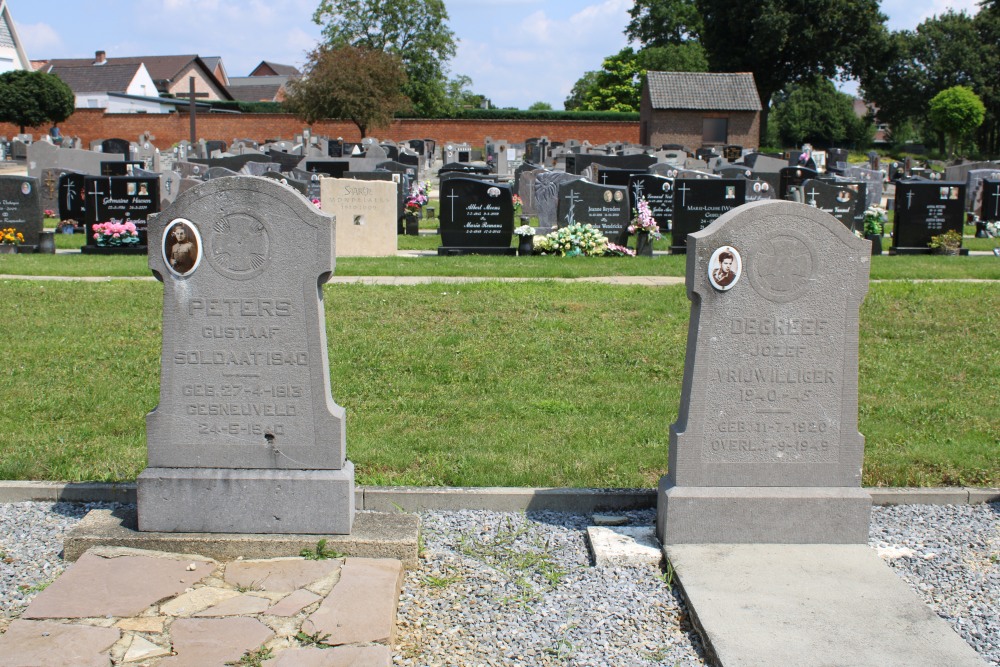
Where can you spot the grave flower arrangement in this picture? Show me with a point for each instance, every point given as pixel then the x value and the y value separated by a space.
pixel 948 243
pixel 875 219
pixel 49 213
pixel 573 241
pixel 11 236
pixel 615 250
pixel 115 233
pixel 525 230
pixel 518 204
pixel 993 228
pixel 416 199
pixel 644 220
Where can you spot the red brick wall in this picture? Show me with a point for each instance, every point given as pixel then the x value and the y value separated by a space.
pixel 685 127
pixel 91 124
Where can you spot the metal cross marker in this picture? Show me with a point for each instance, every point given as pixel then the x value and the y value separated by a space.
pixel 50 183
pixel 70 192
pixel 683 190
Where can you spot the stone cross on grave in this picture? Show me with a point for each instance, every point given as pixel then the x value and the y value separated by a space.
pixel 573 197
pixel 683 190
pixel 246 437
pixel 50 184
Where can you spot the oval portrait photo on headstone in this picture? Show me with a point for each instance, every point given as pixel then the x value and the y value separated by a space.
pixel 181 247
pixel 725 268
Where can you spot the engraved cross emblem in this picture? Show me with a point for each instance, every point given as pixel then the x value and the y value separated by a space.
pixel 683 190
pixel 572 198
pixel 96 193
pixel 909 199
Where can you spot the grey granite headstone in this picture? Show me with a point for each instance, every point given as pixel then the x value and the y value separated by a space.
pixel 21 207
pixel 546 197
pixel 246 437
pixel 48 187
pixel 170 183
pixel 766 447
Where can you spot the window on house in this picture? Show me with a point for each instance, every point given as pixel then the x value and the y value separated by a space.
pixel 714 131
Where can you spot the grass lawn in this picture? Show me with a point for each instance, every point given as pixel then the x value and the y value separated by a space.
pixel 547 384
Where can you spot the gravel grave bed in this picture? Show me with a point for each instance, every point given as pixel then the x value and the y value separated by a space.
pixel 500 588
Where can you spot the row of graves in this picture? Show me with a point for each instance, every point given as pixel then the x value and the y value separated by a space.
pixel 109 191
pixel 686 192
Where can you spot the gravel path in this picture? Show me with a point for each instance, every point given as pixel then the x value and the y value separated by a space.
pixel 512 589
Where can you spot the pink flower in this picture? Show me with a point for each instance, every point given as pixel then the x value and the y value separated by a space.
pixel 116 235
pixel 97 236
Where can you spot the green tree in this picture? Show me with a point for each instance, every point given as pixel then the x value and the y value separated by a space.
pixel 415 30
pixel 956 112
pixel 358 83
pixel 817 113
pixel 31 99
pixel 580 91
pixel 460 95
pixel 663 22
pixel 540 106
pixel 617 85
pixel 686 57
pixel 786 41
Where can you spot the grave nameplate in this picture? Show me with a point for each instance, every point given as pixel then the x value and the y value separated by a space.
pixel 366 215
pixel 659 194
pixel 605 207
pixel 122 168
pixel 924 209
pixel 766 447
pixel 699 202
pixel 476 218
pixel 119 199
pixel 792 176
pixel 21 207
pixel 246 437
pixel 759 189
pixel 844 201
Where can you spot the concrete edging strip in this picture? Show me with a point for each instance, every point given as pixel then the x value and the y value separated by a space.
pixel 498 499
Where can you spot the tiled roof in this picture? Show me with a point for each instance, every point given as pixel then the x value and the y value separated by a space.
pixel 723 91
pixel 90 79
pixel 160 68
pixel 283 70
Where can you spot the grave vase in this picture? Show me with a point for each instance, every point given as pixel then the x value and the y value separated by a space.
pixel 876 240
pixel 525 246
pixel 412 226
pixel 643 246
pixel 981 229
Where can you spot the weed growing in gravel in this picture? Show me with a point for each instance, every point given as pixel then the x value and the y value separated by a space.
pixel 520 556
pixel 37 588
pixel 315 639
pixel 321 552
pixel 254 658
pixel 257 585
pixel 442 581
pixel 667 576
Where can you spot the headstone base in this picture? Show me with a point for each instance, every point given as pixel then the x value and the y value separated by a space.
pixel 922 251
pixel 446 251
pixel 218 500
pixel 762 515
pixel 115 250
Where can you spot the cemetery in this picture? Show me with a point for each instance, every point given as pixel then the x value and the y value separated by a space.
pixel 420 344
pixel 291 385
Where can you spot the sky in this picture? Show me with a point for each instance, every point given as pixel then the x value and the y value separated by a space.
pixel 517 52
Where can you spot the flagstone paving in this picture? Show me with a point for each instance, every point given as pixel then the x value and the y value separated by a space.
pixel 157 609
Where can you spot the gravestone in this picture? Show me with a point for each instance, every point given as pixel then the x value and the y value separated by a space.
pixel 527 191
pixel 732 153
pixel 332 168
pixel 476 218
pixel 545 197
pixel 48 188
pixel 72 197
pixel 764 164
pixel 258 168
pixel 232 162
pixel 837 160
pixel 699 202
pixel 170 182
pixel 874 180
pixel 793 176
pixel 246 437
pixel 521 169
pixel 759 189
pixel 219 172
pixel 766 447
pixel 121 168
pixel 21 208
pixel 147 154
pixel 366 215
pixel 845 202
pixel 659 194
pixel 119 199
pixel 972 181
pixel 190 169
pixel 924 209
pixel 42 155
pixel 605 207
pixel 117 146
pixel 990 209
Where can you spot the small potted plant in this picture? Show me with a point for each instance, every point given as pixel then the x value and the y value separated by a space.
pixel 414 205
pixel 525 240
pixel 948 243
pixel 645 228
pixel 874 224
pixel 10 238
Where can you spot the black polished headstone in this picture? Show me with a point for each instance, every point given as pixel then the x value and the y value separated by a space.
pixel 924 209
pixel 991 200
pixel 476 218
pixel 21 207
pixel 790 176
pixel 844 201
pixel 575 164
pixel 698 202
pixel 119 146
pixel 121 168
pixel 72 197
pixel 605 207
pixel 234 162
pixel 119 199
pixel 460 167
pixel 659 194
pixel 331 168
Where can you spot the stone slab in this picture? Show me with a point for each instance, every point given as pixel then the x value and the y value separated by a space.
pixel 374 535
pixel 916 496
pixel 214 641
pixel 279 576
pixel 219 500
pixel 29 643
pixel 769 515
pixel 379 581
pixel 810 605
pixel 109 583
pixel 505 499
pixel 293 604
pixel 338 656
pixel 624 546
pixel 977 496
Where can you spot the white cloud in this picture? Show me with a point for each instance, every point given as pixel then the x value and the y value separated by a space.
pixel 38 39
